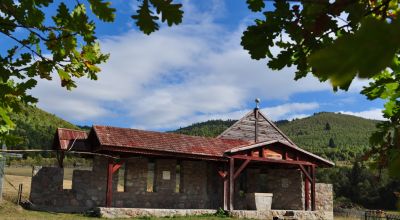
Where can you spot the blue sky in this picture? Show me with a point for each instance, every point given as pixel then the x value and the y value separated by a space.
pixel 190 73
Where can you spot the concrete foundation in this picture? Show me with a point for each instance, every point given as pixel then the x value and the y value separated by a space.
pixel 270 214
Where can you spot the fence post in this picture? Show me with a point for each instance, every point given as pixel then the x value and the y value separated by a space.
pixel 19 194
pixel 2 170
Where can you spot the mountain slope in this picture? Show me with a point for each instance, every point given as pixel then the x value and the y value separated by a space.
pixel 211 128
pixel 332 135
pixel 36 128
pixel 336 136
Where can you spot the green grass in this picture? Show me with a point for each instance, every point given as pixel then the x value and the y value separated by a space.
pixel 8 210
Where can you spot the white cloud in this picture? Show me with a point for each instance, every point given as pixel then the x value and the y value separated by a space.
pixel 369 114
pixel 179 75
pixel 290 110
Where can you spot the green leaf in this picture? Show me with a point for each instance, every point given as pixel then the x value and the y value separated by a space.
pixel 283 59
pixel 255 5
pixel 63 75
pixel 172 13
pixel 4 117
pixel 145 19
pixel 103 10
pixel 257 41
pixel 361 54
pixel 62 17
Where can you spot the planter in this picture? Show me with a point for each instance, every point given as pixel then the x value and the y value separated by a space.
pixel 259 201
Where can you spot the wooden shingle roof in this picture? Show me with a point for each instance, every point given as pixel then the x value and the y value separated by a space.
pixel 66 138
pixel 128 140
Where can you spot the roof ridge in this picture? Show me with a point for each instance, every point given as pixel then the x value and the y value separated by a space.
pixel 238 121
pixel 164 133
pixel 71 129
pixel 276 127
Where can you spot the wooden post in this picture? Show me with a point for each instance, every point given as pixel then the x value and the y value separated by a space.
pixel 226 193
pixel 231 182
pixel 313 188
pixel 60 158
pixel 256 113
pixel 306 193
pixel 109 183
pixel 19 194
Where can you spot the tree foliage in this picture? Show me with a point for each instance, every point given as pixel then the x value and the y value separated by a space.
pixel 39 45
pixel 337 41
pixel 360 186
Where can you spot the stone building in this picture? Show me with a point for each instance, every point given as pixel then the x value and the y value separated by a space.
pixel 252 169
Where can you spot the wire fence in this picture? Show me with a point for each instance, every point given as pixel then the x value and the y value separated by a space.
pixel 365 214
pixel 2 176
pixel 380 215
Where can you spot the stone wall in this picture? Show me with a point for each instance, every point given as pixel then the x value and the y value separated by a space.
pixel 199 189
pixel 286 185
pixel 88 188
pixel 324 197
pixel 194 185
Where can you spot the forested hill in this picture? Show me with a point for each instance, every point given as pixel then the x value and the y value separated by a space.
pixel 332 135
pixel 335 136
pixel 36 128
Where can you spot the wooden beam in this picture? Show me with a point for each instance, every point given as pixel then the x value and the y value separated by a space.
pixel 238 171
pixel 222 174
pixel 294 162
pixel 231 182
pixel 109 183
pixel 226 194
pixel 306 193
pixel 60 158
pixel 116 167
pixel 313 188
pixel 306 174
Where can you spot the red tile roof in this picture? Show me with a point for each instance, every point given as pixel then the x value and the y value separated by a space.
pixel 133 139
pixel 68 137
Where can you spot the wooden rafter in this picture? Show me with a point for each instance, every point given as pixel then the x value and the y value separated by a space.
pixel 241 168
pixel 294 162
pixel 306 174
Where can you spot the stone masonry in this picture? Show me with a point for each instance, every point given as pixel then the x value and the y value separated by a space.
pixel 324 197
pixel 286 185
pixel 201 187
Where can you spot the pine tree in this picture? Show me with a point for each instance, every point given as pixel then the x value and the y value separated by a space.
pixel 327 126
pixel 331 143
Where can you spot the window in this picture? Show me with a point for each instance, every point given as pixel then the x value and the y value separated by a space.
pixel 151 176
pixel 178 186
pixel 67 178
pixel 121 178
